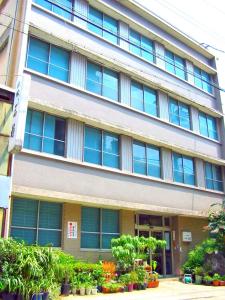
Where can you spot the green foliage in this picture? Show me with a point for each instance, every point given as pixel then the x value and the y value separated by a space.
pixel 141 274
pixel 197 255
pixel 127 248
pixel 199 271
pixel 64 269
pixel 216 276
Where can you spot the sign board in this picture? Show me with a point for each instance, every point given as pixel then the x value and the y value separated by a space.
pixel 186 236
pixel 19 113
pixel 72 230
pixel 5 187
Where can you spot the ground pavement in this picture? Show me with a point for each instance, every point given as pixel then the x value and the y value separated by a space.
pixel 167 290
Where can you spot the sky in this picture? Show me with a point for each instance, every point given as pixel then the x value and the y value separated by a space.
pixel 203 20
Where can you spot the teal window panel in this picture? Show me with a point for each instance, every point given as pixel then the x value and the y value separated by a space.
pixel 139 158
pixel 183 169
pixel 90 240
pixel 50 215
pixel 208 126
pixel 106 240
pixel 213 177
pixel 153 161
pixel 179 113
pixel 137 97
pixel 95 17
pixel 110 29
pixel 26 235
pixel 61 7
pixel 49 238
pixel 141 45
pixel 90 217
pixel 59 63
pixel 203 80
pixel 175 64
pixel 147 50
pixel 135 42
pixel 38 55
pixel 44 3
pixel 169 58
pixel 110 84
pixel 150 102
pixel 110 150
pixel 94 78
pixel 24 213
pixel 93 145
pixel 110 221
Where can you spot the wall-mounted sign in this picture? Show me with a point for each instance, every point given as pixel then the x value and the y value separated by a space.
pixel 72 230
pixel 19 113
pixel 186 236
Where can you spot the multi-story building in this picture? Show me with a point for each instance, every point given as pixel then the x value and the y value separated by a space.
pixel 119 128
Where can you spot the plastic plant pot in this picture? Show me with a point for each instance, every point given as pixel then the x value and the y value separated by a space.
pixel 130 287
pixel 65 289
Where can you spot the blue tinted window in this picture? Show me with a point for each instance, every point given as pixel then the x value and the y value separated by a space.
pixel 48 59
pixel 37 222
pixel 183 169
pixel 143 98
pixel 101 147
pixel 141 45
pixel 61 7
pixel 213 177
pixel 102 81
pixel 44 133
pixel 103 25
pixel 98 227
pixel 179 113
pixel 175 64
pixel 202 80
pixel 146 159
pixel 207 126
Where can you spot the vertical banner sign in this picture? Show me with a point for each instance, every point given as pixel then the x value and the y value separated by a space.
pixel 72 230
pixel 19 113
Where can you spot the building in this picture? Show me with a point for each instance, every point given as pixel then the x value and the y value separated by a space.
pixel 118 128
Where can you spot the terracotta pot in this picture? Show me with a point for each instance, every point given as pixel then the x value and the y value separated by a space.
pixel 105 290
pixel 216 282
pixel 130 287
pixel 153 284
pixel 222 282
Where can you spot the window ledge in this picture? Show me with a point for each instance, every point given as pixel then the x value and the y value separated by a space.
pixel 119 47
pixel 116 171
pixel 69 85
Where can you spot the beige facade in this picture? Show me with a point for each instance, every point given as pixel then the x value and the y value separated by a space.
pixel 44 178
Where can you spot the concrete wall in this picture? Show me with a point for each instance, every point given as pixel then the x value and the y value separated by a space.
pixel 50 93
pixel 114 188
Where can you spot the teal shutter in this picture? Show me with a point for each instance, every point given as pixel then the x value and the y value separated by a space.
pixel 24 213
pixel 50 215
pixel 90 227
pixel 110 227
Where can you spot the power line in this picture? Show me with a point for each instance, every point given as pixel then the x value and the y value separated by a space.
pixel 127 40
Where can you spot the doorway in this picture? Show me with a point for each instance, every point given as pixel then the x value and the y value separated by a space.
pixel 159 228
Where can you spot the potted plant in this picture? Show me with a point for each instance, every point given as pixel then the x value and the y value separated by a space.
pixel 133 281
pixel 216 279
pixel 141 276
pixel 207 279
pixel 198 271
pixel 106 288
pixel 222 280
pixel 74 285
pixel 88 287
pixel 82 289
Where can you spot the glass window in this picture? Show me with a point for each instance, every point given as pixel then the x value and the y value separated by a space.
pixel 146 159
pixel 213 177
pixel 48 59
pixel 183 169
pixel 44 133
pixel 101 148
pixel 143 98
pixel 37 222
pixel 102 81
pixel 207 126
pixel 103 25
pixel 141 45
pixel 61 7
pixel 202 80
pixel 98 227
pixel 179 113
pixel 175 64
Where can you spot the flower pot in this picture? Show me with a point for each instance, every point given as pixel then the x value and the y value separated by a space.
pixel 153 284
pixel 222 282
pixel 45 295
pixel 88 291
pixel 126 288
pixel 94 291
pixel 198 279
pixel 8 296
pixel 18 297
pixel 122 290
pixel 135 286
pixel 105 290
pixel 139 286
pixel 37 296
pixel 130 287
pixel 216 282
pixel 74 291
pixel 143 286
pixel 208 282
pixel 99 288
pixel 65 289
pixel 82 291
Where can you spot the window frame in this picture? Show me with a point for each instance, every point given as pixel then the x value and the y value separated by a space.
pixel 206 117
pixel 50 45
pixel 203 81
pixel 153 53
pixel 173 64
pixel 146 159
pixel 42 137
pixel 100 233
pixel 37 228
pixel 102 85
pixel 102 27
pixel 213 180
pixel 179 103
pixel 102 131
pixel 183 173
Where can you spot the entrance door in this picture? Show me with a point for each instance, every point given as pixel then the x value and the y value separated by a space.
pixel 158 255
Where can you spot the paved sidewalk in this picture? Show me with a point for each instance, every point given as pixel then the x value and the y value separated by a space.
pixel 167 290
